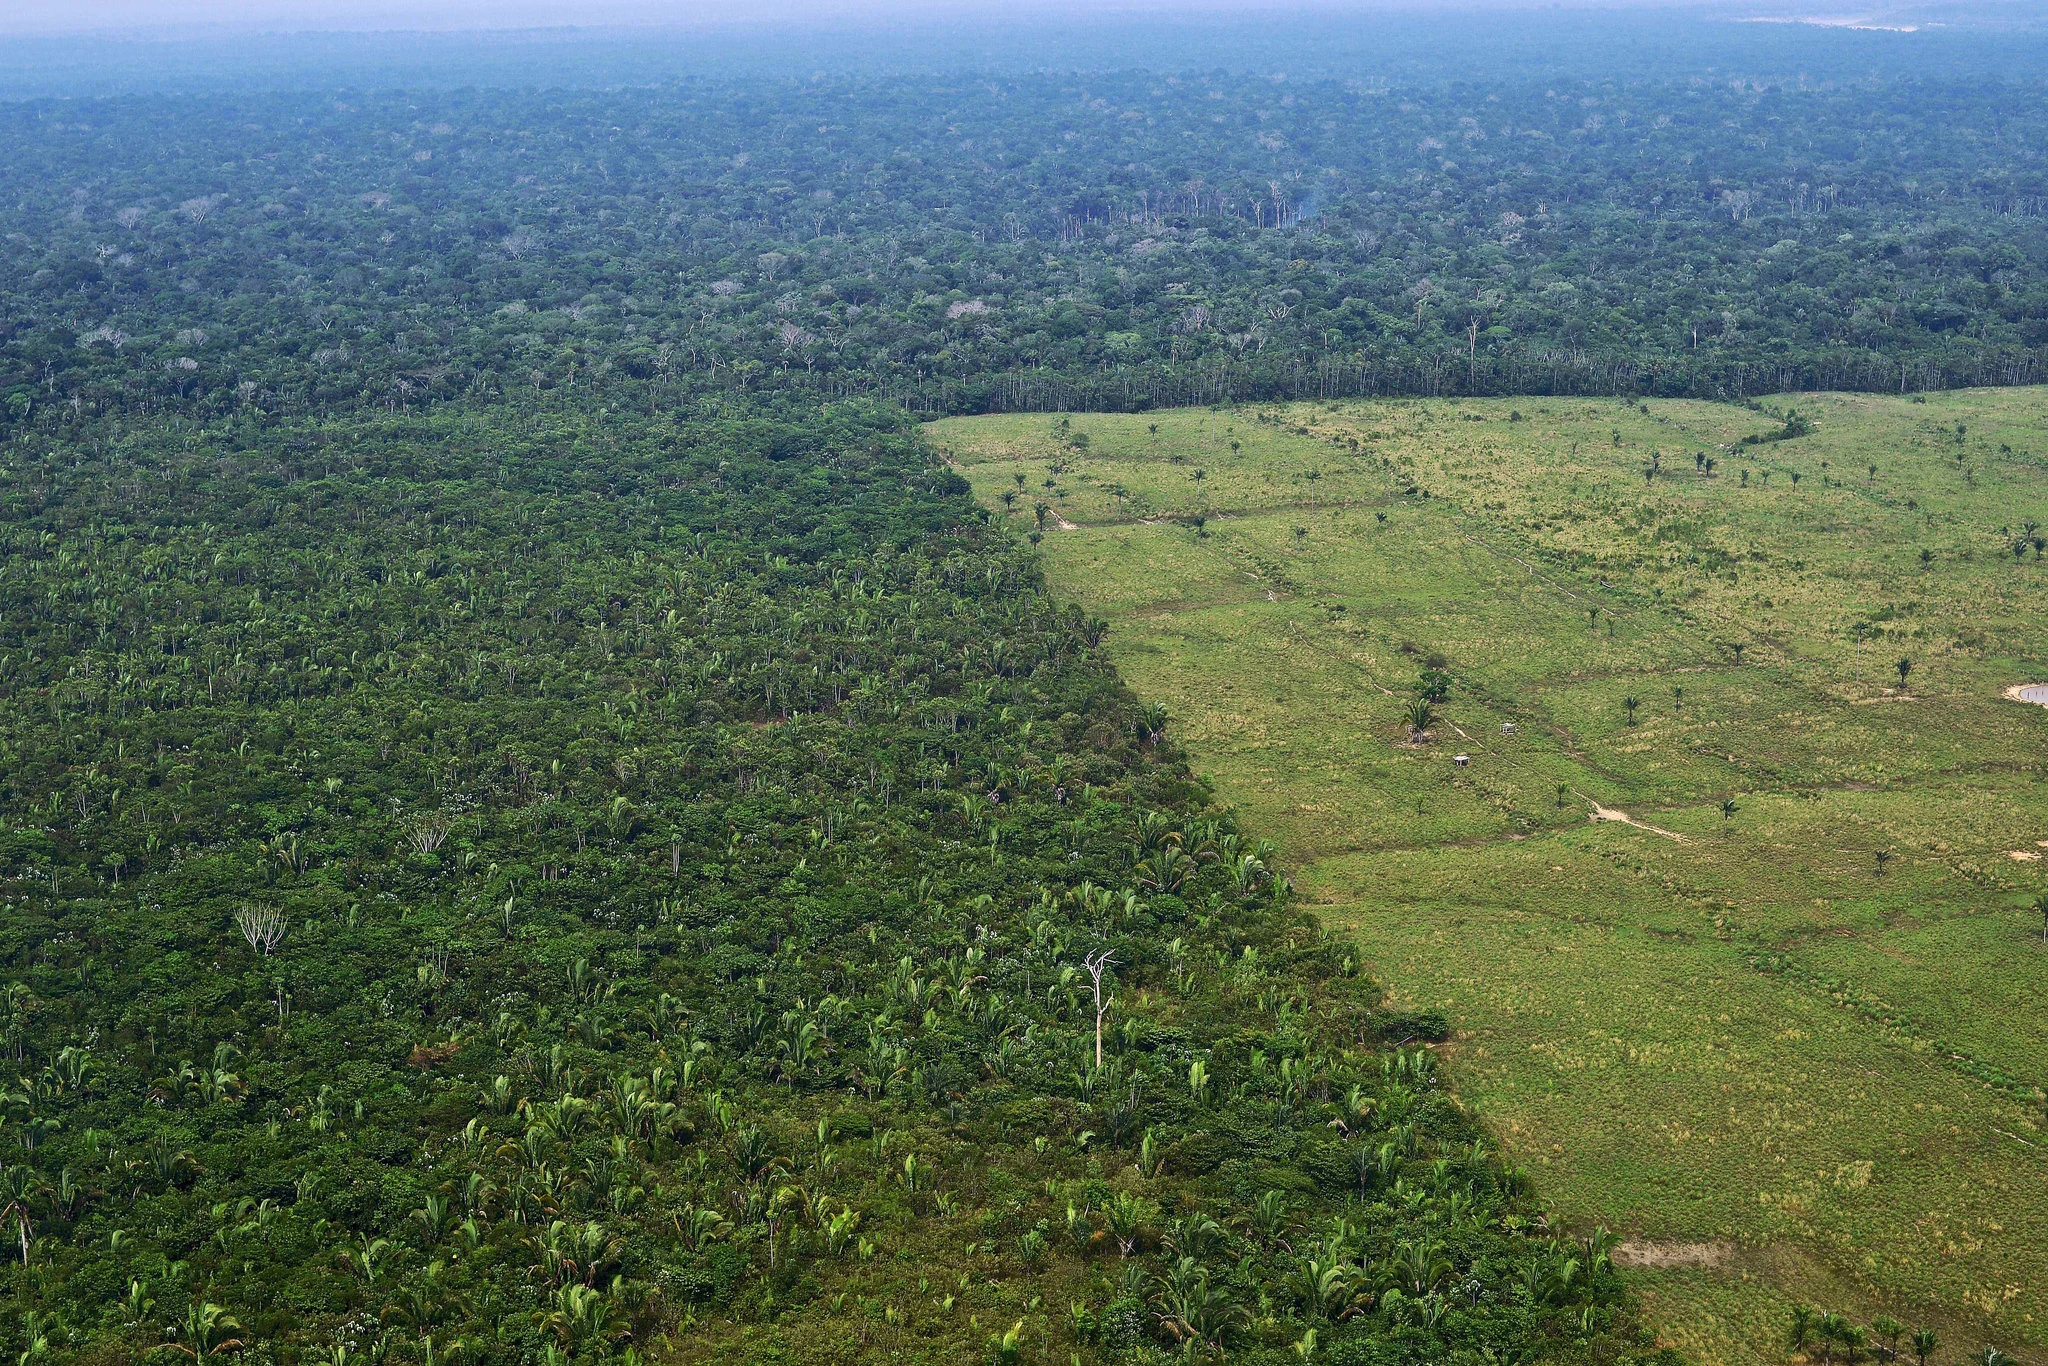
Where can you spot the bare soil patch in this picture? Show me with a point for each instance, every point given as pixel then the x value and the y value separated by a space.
pixel 1673 1256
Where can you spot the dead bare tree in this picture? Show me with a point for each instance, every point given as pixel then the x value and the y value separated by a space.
pixel 429 833
pixel 262 926
pixel 1098 964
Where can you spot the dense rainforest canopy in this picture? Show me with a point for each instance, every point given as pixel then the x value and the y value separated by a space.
pixel 538 821
pixel 1115 240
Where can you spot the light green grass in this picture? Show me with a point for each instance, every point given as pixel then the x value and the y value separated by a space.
pixel 1743 1034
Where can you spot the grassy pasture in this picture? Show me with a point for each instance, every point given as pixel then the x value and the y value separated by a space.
pixel 1739 1029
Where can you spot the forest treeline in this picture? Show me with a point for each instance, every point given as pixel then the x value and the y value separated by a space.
pixel 1112 241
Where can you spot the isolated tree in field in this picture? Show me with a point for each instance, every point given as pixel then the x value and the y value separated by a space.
pixel 1300 535
pixel 1018 475
pixel 1925 1345
pixel 1795 479
pixel 1884 856
pixel 1564 790
pixel 1728 810
pixel 1419 716
pixel 2041 909
pixel 1737 648
pixel 1678 697
pixel 1873 471
pixel 1009 500
pixel 1904 666
pixel 1629 704
pixel 1039 510
pixel 1926 558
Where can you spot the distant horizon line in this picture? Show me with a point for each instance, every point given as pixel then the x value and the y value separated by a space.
pixel 140 20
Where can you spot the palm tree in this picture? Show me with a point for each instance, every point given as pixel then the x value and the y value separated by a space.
pixel 1884 856
pixel 1831 1329
pixel 1728 809
pixel 1904 666
pixel 1801 1331
pixel 2041 909
pixel 1886 1327
pixel 1419 715
pixel 1924 1345
pixel 19 1188
pixel 1629 705
pixel 1126 1214
pixel 209 1329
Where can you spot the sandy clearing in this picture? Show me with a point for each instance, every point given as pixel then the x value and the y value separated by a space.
pixel 1638 1252
pixel 1608 813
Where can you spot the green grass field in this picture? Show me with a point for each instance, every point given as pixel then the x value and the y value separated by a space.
pixel 1738 1029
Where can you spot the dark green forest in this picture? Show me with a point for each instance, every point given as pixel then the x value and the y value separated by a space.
pixel 539 822
pixel 1115 241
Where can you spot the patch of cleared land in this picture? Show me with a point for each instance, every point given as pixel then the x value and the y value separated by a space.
pixel 1803 1033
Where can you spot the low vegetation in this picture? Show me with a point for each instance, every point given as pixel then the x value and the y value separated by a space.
pixel 1774 1001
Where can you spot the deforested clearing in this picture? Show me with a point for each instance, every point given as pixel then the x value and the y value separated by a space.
pixel 1786 1032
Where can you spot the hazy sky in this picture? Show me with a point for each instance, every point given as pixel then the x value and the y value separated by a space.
pixel 58 16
